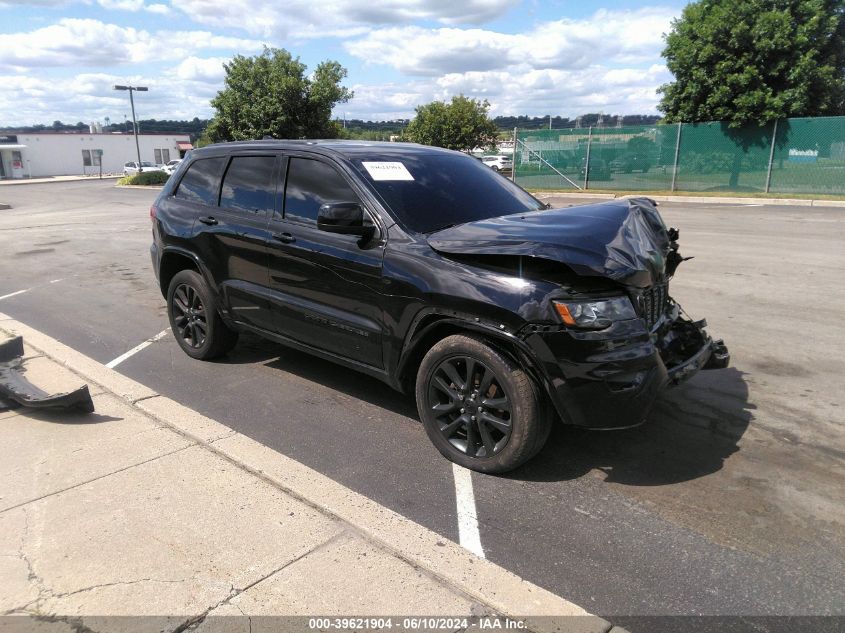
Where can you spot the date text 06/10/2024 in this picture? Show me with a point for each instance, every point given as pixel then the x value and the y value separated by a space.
pixel 415 623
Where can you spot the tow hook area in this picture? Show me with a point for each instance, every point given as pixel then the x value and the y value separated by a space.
pixel 720 357
pixel 687 349
pixel 15 390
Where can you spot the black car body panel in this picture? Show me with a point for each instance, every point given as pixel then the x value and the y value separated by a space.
pixel 377 303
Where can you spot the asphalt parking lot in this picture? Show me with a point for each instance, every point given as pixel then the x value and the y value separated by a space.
pixel 731 500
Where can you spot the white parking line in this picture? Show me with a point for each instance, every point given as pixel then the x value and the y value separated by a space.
pixel 13 294
pixel 136 349
pixel 467 516
pixel 20 292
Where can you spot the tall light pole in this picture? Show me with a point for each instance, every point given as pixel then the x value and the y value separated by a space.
pixel 134 124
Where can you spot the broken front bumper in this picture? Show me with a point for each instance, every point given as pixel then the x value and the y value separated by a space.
pixel 15 390
pixel 687 347
pixel 611 379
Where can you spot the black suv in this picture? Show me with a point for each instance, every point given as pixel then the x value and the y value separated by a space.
pixel 430 271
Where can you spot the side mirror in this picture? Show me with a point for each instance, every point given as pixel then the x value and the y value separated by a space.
pixel 346 218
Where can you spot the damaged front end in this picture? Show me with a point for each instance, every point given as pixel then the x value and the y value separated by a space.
pixel 604 332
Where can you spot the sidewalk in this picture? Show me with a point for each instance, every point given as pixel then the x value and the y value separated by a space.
pixel 146 508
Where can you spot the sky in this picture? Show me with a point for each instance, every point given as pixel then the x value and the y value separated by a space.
pixel 60 58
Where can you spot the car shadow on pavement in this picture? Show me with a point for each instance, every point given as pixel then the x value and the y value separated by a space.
pixel 252 349
pixel 691 431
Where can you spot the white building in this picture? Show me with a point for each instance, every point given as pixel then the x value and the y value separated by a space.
pixel 60 154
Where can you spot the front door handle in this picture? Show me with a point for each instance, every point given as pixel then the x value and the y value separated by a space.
pixel 209 219
pixel 284 238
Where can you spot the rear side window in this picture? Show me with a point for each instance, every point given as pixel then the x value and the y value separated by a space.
pixel 249 185
pixel 202 181
pixel 311 184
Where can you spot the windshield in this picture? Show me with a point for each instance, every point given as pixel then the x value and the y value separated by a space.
pixel 436 190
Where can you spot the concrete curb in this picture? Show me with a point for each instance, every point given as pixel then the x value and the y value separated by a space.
pixel 478 578
pixel 792 202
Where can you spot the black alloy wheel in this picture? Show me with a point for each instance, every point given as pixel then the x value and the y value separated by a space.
pixel 189 316
pixel 472 409
pixel 479 408
pixel 194 319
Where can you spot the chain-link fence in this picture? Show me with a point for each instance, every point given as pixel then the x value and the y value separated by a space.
pixel 787 156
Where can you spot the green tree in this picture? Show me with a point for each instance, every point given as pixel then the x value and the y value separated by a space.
pixel 271 95
pixel 462 124
pixel 754 61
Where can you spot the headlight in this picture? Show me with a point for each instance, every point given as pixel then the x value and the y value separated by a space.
pixel 595 315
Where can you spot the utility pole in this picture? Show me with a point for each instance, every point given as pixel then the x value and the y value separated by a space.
pixel 131 89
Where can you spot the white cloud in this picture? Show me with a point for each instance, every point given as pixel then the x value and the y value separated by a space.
pixel 184 92
pixel 567 92
pixel 565 67
pixel 622 37
pixel 568 67
pixel 122 5
pixel 386 102
pixel 85 42
pixel 35 3
pixel 533 92
pixel 118 5
pixel 208 70
pixel 90 97
pixel 303 19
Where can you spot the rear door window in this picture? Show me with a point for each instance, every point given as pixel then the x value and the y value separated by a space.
pixel 201 183
pixel 250 185
pixel 311 184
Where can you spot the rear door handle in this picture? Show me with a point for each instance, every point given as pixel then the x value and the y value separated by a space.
pixel 284 238
pixel 209 219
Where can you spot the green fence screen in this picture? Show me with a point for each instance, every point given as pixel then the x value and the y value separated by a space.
pixel 788 156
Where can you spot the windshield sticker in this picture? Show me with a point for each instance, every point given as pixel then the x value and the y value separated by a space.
pixel 387 170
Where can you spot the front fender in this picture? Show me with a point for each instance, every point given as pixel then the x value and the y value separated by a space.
pixel 435 324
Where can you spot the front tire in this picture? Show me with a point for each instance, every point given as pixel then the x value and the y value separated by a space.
pixel 194 319
pixel 479 409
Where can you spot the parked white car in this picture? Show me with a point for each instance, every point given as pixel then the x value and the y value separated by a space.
pixel 498 162
pixel 171 166
pixel 131 168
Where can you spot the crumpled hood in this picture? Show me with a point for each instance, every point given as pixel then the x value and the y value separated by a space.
pixel 624 240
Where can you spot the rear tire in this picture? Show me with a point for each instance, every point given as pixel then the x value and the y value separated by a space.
pixel 480 409
pixel 194 319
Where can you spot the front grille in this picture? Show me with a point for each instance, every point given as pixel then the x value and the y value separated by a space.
pixel 653 303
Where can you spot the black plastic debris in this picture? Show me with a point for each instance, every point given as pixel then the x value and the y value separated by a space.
pixel 15 390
